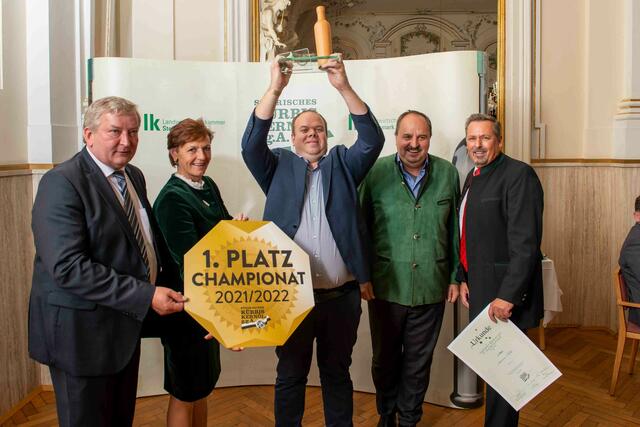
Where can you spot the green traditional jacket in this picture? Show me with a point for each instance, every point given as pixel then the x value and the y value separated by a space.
pixel 186 214
pixel 415 241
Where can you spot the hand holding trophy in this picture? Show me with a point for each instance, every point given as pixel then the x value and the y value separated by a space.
pixel 302 60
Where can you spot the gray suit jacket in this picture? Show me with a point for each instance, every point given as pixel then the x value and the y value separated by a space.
pixel 90 292
pixel 630 265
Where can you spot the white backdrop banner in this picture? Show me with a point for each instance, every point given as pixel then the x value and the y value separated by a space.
pixel 443 85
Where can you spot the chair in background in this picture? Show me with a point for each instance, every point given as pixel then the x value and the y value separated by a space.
pixel 626 329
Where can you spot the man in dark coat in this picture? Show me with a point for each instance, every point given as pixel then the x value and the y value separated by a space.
pixel 500 236
pixel 630 263
pixel 99 254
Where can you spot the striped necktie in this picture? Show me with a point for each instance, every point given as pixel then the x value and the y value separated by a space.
pixel 131 214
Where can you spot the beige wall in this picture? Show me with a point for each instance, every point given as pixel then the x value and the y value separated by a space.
pixel 562 77
pixel 602 67
pixel 152 29
pixel 191 30
pixel 13 95
pixel 580 76
pixel 66 72
pixel 199 30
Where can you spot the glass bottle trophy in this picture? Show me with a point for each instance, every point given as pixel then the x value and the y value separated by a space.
pixel 304 61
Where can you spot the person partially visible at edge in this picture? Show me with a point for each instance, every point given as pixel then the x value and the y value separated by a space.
pixel 99 256
pixel 187 208
pixel 500 237
pixel 629 262
pixel 409 200
pixel 312 196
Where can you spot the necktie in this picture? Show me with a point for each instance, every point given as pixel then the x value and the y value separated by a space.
pixel 131 214
pixel 463 233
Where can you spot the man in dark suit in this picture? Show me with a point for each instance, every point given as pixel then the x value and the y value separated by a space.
pixel 501 231
pixel 98 257
pixel 312 196
pixel 630 263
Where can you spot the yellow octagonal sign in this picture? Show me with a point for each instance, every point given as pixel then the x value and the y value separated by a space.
pixel 248 284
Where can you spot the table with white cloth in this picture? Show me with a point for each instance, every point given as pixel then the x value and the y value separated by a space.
pixel 552 296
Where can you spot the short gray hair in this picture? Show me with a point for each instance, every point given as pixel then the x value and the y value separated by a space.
pixel 479 117
pixel 109 104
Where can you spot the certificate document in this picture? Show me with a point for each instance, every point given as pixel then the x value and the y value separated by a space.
pixel 505 358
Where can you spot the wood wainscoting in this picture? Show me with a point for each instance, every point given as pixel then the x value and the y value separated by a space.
pixel 587 214
pixel 18 373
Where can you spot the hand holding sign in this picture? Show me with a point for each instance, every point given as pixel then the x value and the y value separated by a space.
pixel 248 284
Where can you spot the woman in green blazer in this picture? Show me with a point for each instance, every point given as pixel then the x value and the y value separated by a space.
pixel 187 208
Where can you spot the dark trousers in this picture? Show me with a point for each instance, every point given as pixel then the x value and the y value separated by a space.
pixel 100 401
pixel 498 413
pixel 403 341
pixel 334 325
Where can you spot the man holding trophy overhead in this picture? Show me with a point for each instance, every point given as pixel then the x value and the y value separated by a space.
pixel 312 196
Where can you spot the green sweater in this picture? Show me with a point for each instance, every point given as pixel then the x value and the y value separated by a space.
pixel 186 214
pixel 415 241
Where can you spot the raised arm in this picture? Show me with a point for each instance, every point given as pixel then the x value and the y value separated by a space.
pixel 255 150
pixel 338 79
pixel 279 80
pixel 363 154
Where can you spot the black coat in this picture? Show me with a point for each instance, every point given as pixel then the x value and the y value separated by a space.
pixel 503 235
pixel 630 265
pixel 89 293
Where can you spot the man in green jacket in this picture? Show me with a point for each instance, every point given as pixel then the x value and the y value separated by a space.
pixel 409 202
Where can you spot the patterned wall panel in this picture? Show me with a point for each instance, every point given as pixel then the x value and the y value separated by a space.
pixel 588 213
pixel 19 375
